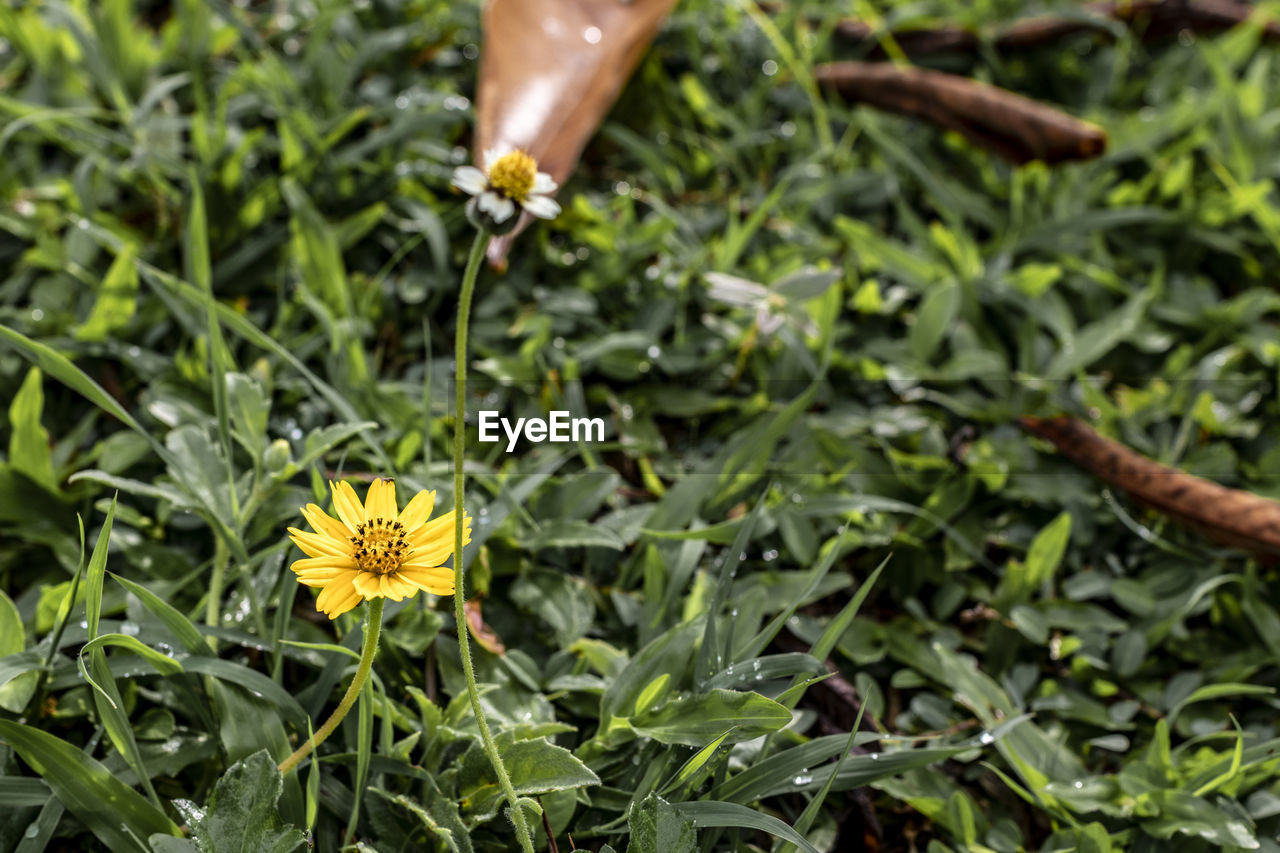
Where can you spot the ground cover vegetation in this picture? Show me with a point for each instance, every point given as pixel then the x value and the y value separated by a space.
pixel 229 269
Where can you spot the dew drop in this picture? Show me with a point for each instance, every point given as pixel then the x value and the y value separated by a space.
pixel 769 68
pixel 653 351
pixel 592 35
pixel 986 738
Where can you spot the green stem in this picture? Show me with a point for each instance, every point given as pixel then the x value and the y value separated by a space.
pixel 372 627
pixel 213 606
pixel 459 571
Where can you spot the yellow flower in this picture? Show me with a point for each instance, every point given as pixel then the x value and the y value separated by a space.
pixel 375 551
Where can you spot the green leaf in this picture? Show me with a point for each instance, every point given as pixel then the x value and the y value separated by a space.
pixel 17 665
pixel 707 813
pixel 693 720
pixel 117 299
pixel 695 763
pixel 241 815
pixel 1101 336
pixel 539 766
pixel 666 654
pixel 439 815
pixel 114 812
pixel 250 679
pixel 561 601
pixel 29 451
pixel 95 572
pixel 178 624
pixel 657 827
pixel 19 792
pixel 751 783
pixel 248 408
pixel 1045 553
pixel 571 533
pixel 60 367
pixel 14 693
pixel 164 664
pixel 1219 691
pixel 934 320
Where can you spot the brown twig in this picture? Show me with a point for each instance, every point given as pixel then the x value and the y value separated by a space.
pixel 1151 20
pixel 1009 125
pixel 1231 517
pixel 552 846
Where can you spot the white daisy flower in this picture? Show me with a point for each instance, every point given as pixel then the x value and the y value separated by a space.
pixel 509 179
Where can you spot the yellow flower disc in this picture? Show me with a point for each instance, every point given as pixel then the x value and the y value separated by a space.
pixel 513 175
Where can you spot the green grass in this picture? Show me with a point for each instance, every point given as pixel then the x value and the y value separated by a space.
pixel 228 263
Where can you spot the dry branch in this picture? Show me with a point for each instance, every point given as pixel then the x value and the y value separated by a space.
pixel 1016 128
pixel 1229 517
pixel 1151 20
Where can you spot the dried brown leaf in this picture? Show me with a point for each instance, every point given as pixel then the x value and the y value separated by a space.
pixel 483 634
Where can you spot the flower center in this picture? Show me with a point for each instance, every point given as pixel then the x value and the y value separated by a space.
pixel 380 546
pixel 513 175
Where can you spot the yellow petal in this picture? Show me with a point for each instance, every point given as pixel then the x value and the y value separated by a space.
pixel 324 577
pixel 436 545
pixel 347 563
pixel 316 545
pixel 406 588
pixel 430 557
pixel 324 524
pixel 437 530
pixel 347 504
pixel 334 593
pixel 394 588
pixel 434 580
pixel 366 583
pixel 419 510
pixel 380 500
pixel 340 607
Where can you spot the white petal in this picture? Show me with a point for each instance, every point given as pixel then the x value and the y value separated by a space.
pixel 767 321
pixel 543 184
pixel 470 180
pixel 491 156
pixel 732 290
pixel 541 206
pixel 498 207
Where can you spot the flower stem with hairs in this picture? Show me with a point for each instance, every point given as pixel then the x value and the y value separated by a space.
pixel 459 594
